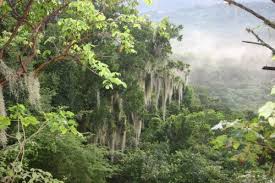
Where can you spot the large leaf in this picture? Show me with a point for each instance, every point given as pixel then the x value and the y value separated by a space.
pixel 29 120
pixel 271 121
pixel 251 136
pixel 267 110
pixel 149 2
pixel 273 91
pixel 4 122
pixel 236 144
pixel 220 141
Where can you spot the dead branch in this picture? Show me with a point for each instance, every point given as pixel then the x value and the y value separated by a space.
pixel 260 41
pixel 264 19
pixel 269 68
pixel 251 42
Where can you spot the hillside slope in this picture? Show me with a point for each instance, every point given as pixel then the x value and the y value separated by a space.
pixel 229 69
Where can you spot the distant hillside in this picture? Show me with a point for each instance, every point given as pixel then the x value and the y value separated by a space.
pixel 215 17
pixel 228 69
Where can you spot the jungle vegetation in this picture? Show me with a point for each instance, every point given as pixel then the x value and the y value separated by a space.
pixel 90 93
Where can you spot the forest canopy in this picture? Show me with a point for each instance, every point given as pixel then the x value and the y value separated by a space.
pixel 90 92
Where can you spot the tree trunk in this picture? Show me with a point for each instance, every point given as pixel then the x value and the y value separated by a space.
pixel 124 136
pixel 113 145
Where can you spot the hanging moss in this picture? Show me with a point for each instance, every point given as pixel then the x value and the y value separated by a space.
pixel 164 81
pixel 3 136
pixel 124 136
pixel 11 77
pixel 137 124
pixel 98 99
pixel 33 87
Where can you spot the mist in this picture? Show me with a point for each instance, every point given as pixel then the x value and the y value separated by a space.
pixel 205 48
pixel 221 64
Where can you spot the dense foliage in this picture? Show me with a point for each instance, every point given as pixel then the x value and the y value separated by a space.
pixel 90 93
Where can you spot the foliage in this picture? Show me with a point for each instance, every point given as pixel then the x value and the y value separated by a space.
pixel 14 164
pixel 58 44
pixel 251 141
pixel 71 158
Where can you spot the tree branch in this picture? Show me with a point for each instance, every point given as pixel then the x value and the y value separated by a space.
pixel 20 21
pixel 251 42
pixel 60 57
pixel 260 42
pixel 264 19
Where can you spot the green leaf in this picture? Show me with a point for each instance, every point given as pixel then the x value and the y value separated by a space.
pixel 17 111
pixel 271 121
pixel 63 130
pixel 267 110
pixel 273 91
pixel 46 53
pixel 4 122
pixel 236 144
pixel 219 141
pixel 30 120
pixel 273 58
pixel 272 135
pixel 251 136
pixel 149 2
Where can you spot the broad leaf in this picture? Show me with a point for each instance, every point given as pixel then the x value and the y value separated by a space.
pixel 273 91
pixel 149 2
pixel 30 120
pixel 271 121
pixel 267 110
pixel 4 122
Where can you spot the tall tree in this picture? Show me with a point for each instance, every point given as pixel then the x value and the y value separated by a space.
pixel 37 34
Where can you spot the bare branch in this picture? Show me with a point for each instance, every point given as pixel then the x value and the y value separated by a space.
pixel 269 68
pixel 251 42
pixel 260 42
pixel 264 19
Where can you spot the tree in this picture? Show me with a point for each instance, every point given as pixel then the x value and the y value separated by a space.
pixel 251 141
pixel 265 20
pixel 13 167
pixel 41 33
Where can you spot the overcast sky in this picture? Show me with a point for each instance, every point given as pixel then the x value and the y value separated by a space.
pixel 176 4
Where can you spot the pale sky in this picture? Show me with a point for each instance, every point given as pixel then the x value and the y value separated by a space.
pixel 176 4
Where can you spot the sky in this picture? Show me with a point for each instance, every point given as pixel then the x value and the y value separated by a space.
pixel 204 26
pixel 212 41
pixel 175 4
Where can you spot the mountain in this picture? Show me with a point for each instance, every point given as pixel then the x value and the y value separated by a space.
pixel 229 69
pixel 217 16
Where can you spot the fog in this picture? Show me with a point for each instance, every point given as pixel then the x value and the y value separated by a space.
pixel 221 63
pixel 206 48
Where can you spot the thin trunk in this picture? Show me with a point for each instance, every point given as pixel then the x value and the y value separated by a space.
pixel 139 127
pixel 272 168
pixel 124 136
pixel 98 99
pixel 113 145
